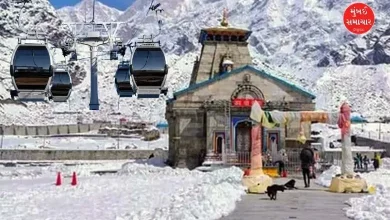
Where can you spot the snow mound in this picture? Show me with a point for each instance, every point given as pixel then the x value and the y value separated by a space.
pixel 164 193
pixel 148 167
pixel 386 163
pixel 326 177
pixel 210 193
pixel 208 196
pixel 371 207
pixel 379 177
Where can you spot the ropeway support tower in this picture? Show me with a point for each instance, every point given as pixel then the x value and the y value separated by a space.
pixel 93 35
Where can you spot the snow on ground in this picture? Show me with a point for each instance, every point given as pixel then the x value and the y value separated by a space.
pixel 370 207
pixel 42 170
pixel 82 143
pixel 138 191
pixel 326 177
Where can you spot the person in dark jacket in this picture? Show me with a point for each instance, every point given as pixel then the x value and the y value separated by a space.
pixel 360 161
pixel 365 162
pixel 376 161
pixel 307 160
pixel 356 162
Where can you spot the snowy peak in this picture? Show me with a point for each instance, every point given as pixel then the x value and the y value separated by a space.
pixel 17 18
pixel 302 41
pixel 83 11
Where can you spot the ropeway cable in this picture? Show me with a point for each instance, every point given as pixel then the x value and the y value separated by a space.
pixel 142 21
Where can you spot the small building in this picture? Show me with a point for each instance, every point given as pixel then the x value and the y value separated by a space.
pixel 211 116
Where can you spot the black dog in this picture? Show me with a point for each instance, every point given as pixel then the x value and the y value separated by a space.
pixel 273 190
pixel 290 185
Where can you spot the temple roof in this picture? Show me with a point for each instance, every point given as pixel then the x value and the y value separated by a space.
pixel 262 73
pixel 224 29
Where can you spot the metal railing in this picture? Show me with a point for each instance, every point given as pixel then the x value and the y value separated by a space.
pixel 380 136
pixel 293 163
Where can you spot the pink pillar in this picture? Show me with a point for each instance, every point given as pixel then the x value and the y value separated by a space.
pixel 344 124
pixel 256 156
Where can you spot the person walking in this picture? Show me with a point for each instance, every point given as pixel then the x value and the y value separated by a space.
pixel 379 159
pixel 281 159
pixel 356 162
pixel 376 161
pixel 360 161
pixel 307 160
pixel 365 161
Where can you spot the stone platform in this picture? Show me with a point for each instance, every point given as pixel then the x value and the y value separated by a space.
pixel 303 204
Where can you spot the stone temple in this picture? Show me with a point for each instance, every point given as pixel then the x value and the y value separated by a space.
pixel 210 118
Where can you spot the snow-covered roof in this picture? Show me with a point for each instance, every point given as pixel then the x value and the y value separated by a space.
pixel 261 73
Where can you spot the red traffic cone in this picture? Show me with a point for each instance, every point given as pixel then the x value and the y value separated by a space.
pixel 59 179
pixel 284 173
pixel 74 179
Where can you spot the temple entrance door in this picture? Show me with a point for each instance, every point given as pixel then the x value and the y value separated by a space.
pixel 243 136
pixel 219 144
pixel 243 141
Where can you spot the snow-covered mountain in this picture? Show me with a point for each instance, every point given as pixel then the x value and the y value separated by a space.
pixel 83 12
pixel 303 41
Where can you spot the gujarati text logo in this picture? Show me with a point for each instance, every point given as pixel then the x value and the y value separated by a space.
pixel 359 18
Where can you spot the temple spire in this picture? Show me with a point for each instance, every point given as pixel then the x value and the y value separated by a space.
pixel 224 21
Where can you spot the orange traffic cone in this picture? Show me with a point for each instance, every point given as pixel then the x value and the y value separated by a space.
pixel 59 179
pixel 74 179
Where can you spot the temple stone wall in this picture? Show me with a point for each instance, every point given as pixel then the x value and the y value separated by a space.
pixel 212 54
pixel 192 128
pixel 187 132
pixel 215 122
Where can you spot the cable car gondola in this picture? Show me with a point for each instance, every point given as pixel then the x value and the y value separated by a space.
pixel 61 85
pixel 149 71
pixel 123 82
pixel 31 72
pixel 116 49
pixel 113 54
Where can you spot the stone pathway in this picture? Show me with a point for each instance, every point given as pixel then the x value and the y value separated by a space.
pixel 302 204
